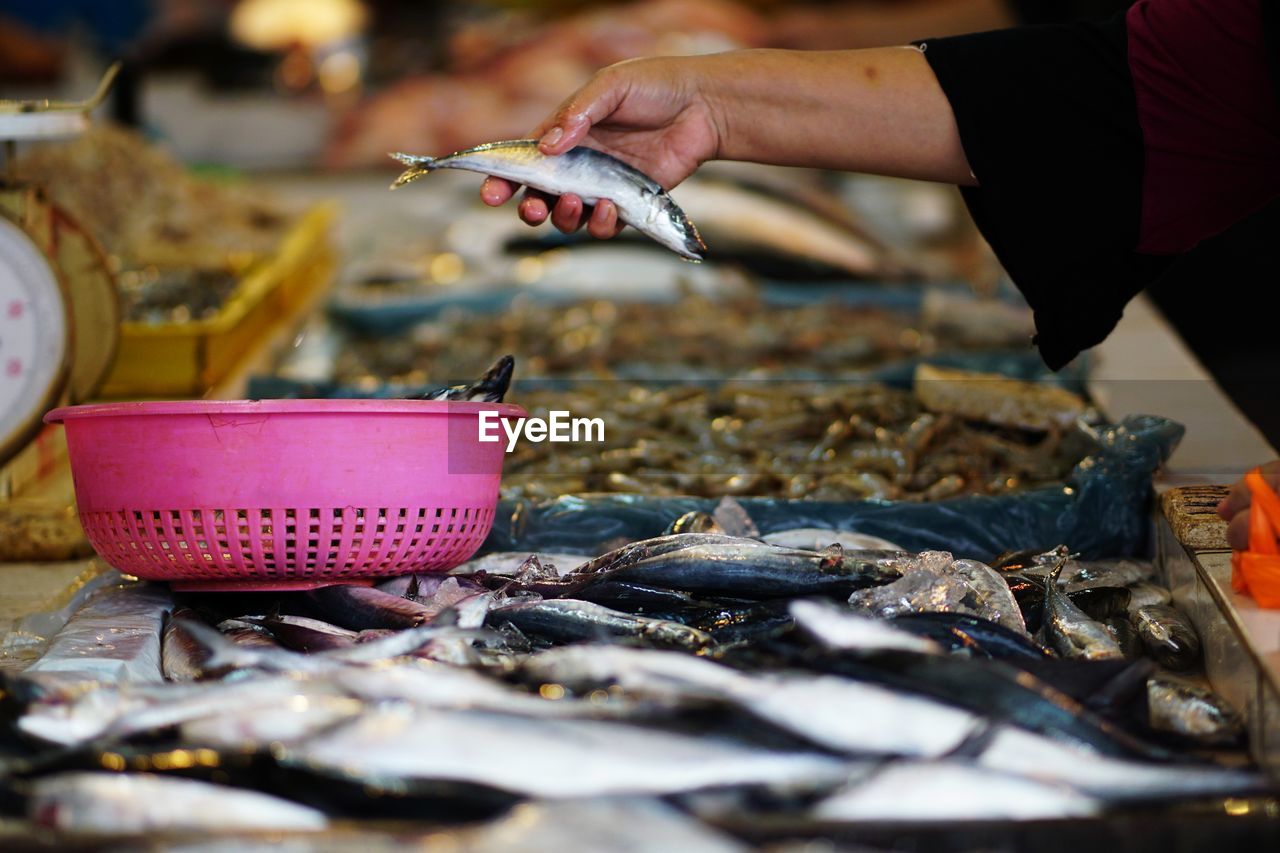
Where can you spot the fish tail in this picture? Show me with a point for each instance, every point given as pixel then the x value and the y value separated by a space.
pixel 418 166
pixel 493 386
pixel 1051 579
pixel 222 653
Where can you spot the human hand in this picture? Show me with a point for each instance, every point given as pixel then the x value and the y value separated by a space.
pixel 654 114
pixel 1234 508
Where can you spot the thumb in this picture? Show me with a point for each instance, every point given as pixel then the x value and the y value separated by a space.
pixel 582 110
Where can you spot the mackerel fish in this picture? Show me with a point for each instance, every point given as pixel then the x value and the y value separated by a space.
pixel 1069 631
pixel 568 620
pixel 589 174
pixel 746 567
pixel 549 758
pixel 101 804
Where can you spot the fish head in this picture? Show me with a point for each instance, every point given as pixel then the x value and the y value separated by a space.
pixel 669 225
pixel 868 572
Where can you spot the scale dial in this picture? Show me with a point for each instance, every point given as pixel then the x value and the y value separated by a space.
pixel 34 338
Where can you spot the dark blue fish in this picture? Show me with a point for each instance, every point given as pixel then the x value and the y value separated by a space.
pixel 981 637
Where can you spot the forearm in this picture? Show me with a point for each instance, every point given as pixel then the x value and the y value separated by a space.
pixel 879 110
pixel 865 24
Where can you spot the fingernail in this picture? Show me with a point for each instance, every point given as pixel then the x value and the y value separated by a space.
pixel 551 137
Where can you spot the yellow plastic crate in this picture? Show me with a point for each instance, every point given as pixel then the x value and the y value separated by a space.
pixel 185 359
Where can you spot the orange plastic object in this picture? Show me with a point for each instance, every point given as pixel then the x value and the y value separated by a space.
pixel 1257 571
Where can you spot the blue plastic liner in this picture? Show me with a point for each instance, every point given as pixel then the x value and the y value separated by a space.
pixel 1101 510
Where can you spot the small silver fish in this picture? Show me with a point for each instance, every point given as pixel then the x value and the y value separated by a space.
pixel 570 620
pixel 596 823
pixel 361 607
pixel 138 803
pixel 589 174
pixel 1069 631
pixel 120 711
pixel 841 628
pixel 282 722
pixel 1167 635
pixel 550 758
pixel 732 566
pixel 814 708
pixel 303 634
pixel 1192 711
pixel 1113 779
pixel 952 790
pixel 181 657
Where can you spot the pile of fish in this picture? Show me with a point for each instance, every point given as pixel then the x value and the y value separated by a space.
pixel 821 677
pixel 831 441
pixel 603 339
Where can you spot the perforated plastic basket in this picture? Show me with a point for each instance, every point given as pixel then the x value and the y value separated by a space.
pixel 283 494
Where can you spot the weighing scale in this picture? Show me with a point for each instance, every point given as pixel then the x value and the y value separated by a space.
pixel 59 306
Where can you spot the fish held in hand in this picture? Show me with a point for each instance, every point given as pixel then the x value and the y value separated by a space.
pixel 591 175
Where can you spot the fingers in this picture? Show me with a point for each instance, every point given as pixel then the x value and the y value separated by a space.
pixel 1271 473
pixel 604 220
pixel 535 207
pixel 1237 499
pixel 496 191
pixel 569 214
pixel 1238 531
pixel 1235 507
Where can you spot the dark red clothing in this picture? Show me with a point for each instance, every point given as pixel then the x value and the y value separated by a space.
pixel 1209 116
pixel 1105 149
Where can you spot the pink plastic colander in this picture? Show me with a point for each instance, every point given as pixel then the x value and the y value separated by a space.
pixel 283 494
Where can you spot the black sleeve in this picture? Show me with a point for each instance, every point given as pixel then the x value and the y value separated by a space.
pixel 1049 123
